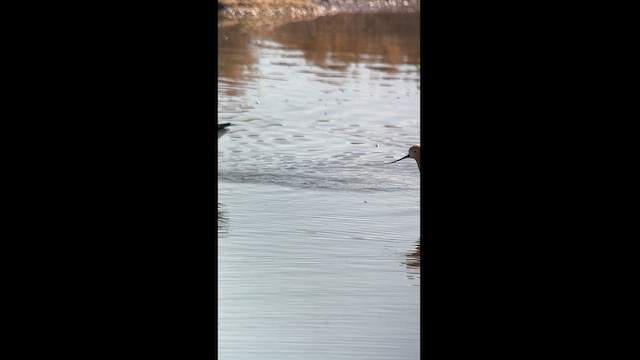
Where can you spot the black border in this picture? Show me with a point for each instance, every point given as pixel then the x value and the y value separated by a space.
pixel 123 243
pixel 117 183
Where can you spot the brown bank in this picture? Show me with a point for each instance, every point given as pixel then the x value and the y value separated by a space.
pixel 307 8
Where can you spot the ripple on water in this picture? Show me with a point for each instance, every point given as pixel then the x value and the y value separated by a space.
pixel 318 237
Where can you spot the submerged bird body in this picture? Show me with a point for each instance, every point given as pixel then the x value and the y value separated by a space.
pixel 222 129
pixel 414 153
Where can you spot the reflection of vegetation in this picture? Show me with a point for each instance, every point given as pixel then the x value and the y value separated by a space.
pixel 392 38
pixel 327 42
pixel 238 58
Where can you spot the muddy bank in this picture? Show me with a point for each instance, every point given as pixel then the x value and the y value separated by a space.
pixel 237 9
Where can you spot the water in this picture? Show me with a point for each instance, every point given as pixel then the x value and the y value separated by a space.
pixel 318 239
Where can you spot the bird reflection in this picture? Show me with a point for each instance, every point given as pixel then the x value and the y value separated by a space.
pixel 222 129
pixel 413 262
pixel 223 227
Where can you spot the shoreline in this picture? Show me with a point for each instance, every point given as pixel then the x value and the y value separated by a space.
pixel 242 9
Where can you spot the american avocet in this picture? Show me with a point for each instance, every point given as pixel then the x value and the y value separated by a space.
pixel 222 129
pixel 414 153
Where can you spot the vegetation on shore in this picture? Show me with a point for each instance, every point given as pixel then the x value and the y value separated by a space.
pixel 254 8
pixel 265 8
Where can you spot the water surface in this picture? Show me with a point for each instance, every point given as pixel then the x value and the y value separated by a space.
pixel 318 239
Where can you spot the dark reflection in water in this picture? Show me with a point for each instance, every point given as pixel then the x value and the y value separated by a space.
pixel 238 56
pixel 381 41
pixel 223 227
pixel 413 262
pixel 390 38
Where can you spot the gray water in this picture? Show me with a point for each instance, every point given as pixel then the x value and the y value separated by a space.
pixel 318 238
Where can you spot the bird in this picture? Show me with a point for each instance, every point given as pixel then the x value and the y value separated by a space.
pixel 414 153
pixel 222 129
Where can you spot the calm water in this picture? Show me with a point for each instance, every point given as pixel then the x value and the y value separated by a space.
pixel 318 239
